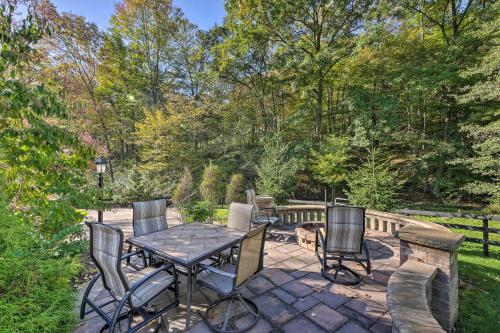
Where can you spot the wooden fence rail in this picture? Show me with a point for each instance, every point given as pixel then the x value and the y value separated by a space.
pixel 485 228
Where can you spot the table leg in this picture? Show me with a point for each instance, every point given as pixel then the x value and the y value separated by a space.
pixel 189 295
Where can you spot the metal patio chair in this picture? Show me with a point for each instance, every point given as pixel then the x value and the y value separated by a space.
pixel 228 281
pixel 239 218
pixel 343 240
pixel 148 217
pixel 262 215
pixel 131 294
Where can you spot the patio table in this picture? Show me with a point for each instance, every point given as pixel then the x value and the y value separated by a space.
pixel 187 245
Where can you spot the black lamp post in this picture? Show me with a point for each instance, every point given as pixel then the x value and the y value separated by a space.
pixel 100 164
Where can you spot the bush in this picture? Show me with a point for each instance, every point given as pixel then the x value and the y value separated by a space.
pixel 199 212
pixel 372 185
pixel 212 187
pixel 235 190
pixel 134 185
pixel 276 170
pixel 35 287
pixel 184 189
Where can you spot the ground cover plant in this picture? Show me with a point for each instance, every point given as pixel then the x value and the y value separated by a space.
pixel 36 290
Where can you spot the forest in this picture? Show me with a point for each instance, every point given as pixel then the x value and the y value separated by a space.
pixel 388 102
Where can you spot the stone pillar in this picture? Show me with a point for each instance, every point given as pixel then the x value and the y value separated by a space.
pixel 436 246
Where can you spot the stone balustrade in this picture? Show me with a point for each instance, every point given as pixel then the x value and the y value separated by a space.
pixel 423 242
pixel 300 213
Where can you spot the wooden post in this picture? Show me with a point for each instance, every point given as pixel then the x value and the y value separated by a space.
pixel 486 237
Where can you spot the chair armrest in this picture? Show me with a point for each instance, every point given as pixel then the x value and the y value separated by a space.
pixel 128 255
pixel 141 281
pixel 218 271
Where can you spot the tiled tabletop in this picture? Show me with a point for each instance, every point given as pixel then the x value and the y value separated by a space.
pixel 188 244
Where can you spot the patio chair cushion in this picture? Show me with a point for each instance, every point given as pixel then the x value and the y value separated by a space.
pixel 151 288
pixel 240 216
pixel 217 281
pixel 251 197
pixel 149 216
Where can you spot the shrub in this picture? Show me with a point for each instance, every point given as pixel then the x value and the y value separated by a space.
pixel 212 187
pixel 184 189
pixel 372 185
pixel 276 170
pixel 235 190
pixel 35 286
pixel 199 212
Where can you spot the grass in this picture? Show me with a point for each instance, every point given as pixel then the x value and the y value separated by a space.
pixel 35 289
pixel 479 279
pixel 221 215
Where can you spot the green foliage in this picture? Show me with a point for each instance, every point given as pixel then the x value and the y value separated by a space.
pixel 134 185
pixel 330 162
pixel 276 170
pixel 183 193
pixel 372 185
pixel 235 190
pixel 43 165
pixel 35 280
pixel 212 185
pixel 201 211
pixel 485 162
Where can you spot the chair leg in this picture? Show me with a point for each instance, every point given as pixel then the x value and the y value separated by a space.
pixel 86 295
pixel 226 326
pixel 226 317
pixel 128 252
pixel 368 262
pixel 116 315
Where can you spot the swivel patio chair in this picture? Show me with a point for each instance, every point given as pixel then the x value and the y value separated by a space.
pixel 228 281
pixel 132 294
pixel 343 240
pixel 262 215
pixel 148 216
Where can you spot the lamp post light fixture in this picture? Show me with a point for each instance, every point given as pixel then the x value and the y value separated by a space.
pixel 100 164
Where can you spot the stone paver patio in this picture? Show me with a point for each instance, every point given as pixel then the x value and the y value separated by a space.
pixel 293 296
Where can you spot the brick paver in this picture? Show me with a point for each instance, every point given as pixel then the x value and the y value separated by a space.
pixel 292 296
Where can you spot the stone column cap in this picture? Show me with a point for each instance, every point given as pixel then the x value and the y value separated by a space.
pixel 432 237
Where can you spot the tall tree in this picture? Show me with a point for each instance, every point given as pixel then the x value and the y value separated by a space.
pixel 148 28
pixel 74 48
pixel 310 38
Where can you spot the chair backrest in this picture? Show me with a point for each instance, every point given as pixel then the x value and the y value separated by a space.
pixel 345 228
pixel 240 216
pixel 251 197
pixel 106 245
pixel 149 216
pixel 251 253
